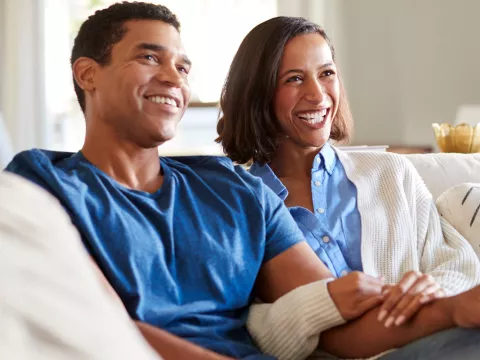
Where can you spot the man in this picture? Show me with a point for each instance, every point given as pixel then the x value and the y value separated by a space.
pixel 180 241
pixel 185 243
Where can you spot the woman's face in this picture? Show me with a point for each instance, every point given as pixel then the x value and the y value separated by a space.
pixel 307 92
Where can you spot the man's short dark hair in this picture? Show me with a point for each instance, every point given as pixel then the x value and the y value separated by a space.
pixel 105 28
pixel 247 128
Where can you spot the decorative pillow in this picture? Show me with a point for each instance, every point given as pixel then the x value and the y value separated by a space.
pixel 460 206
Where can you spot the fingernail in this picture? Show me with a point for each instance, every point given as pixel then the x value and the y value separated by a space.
pixel 389 321
pixel 400 320
pixel 381 315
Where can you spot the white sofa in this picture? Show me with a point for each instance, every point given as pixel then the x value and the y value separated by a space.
pixel 442 171
pixel 52 304
pixel 39 326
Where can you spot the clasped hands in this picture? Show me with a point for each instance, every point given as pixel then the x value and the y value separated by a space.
pixel 356 293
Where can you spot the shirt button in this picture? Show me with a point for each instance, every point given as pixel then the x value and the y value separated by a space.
pixel 321 210
pixel 317 183
pixel 344 273
pixel 326 239
pixel 317 160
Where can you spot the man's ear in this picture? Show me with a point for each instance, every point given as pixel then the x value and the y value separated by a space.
pixel 84 73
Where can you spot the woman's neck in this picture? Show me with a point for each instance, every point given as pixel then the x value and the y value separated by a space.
pixel 292 160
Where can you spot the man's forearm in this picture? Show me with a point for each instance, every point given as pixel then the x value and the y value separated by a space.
pixel 366 336
pixel 171 347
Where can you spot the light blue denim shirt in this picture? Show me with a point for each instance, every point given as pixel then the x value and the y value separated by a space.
pixel 334 231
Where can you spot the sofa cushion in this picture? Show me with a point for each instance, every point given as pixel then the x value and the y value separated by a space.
pixel 460 206
pixel 53 305
pixel 442 171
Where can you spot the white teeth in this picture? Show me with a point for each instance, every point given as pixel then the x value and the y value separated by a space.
pixel 313 117
pixel 162 100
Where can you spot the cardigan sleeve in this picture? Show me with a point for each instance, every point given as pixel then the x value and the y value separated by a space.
pixel 290 328
pixel 444 253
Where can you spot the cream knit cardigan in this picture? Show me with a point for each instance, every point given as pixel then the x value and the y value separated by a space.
pixel 401 231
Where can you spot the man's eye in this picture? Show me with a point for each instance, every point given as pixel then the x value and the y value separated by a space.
pixel 149 57
pixel 183 69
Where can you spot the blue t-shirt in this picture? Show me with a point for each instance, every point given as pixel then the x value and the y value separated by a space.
pixel 334 231
pixel 184 258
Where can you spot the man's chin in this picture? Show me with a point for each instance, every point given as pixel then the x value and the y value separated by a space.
pixel 164 138
pixel 154 140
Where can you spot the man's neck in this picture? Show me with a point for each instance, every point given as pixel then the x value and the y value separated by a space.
pixel 130 165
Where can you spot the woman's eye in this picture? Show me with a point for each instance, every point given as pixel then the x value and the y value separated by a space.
pixel 328 73
pixel 294 79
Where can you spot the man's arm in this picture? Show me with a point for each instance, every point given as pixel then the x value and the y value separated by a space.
pixel 172 347
pixel 364 336
pixel 295 267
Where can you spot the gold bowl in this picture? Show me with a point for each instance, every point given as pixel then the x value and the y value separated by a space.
pixel 463 138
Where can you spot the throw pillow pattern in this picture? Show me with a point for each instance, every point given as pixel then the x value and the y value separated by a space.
pixel 460 206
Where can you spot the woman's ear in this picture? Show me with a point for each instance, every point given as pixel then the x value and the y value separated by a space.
pixel 84 73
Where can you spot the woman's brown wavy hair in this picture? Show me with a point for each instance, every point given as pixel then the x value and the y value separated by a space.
pixel 247 128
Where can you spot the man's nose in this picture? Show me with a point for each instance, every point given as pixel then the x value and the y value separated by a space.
pixel 170 75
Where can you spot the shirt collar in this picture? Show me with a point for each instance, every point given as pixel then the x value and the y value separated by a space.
pixel 326 159
pixel 269 178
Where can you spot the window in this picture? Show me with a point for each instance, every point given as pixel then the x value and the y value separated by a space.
pixel 211 30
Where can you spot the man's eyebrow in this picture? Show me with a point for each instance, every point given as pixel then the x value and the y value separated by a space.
pixel 161 48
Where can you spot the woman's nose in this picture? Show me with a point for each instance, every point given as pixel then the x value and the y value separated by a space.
pixel 315 92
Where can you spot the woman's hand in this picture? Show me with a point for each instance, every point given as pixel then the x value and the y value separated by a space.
pixel 355 294
pixel 402 301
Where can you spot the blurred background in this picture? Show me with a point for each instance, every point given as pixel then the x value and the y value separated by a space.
pixel 406 64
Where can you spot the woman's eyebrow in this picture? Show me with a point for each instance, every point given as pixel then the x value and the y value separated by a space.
pixel 296 71
pixel 301 71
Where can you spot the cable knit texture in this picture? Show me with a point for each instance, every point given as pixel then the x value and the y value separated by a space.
pixel 401 231
pixel 303 312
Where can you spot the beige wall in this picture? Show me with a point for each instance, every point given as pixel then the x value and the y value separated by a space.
pixel 409 63
pixel 406 63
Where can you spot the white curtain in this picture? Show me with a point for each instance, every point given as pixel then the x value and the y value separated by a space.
pixel 6 150
pixel 22 73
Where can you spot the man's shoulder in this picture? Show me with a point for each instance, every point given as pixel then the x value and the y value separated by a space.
pixel 200 162
pixel 220 167
pixel 37 165
pixel 219 170
pixel 38 158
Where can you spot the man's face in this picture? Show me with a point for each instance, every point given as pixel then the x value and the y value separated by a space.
pixel 143 92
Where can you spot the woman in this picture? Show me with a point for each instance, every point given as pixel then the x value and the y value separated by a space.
pixel 283 101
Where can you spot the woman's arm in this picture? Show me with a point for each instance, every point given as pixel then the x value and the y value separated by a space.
pixel 290 327
pixel 305 302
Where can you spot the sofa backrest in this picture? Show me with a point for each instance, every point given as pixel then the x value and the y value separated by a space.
pixel 441 171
